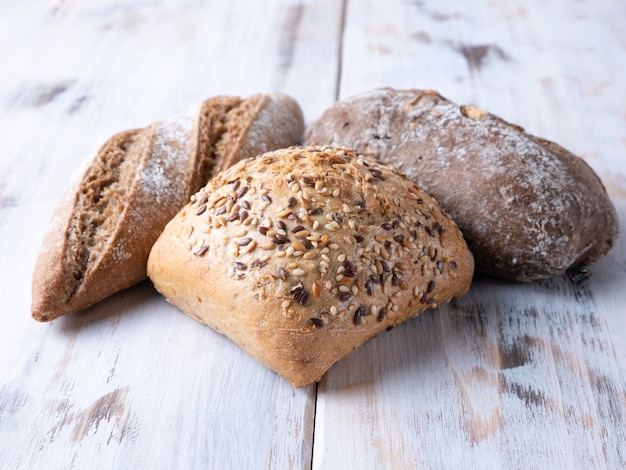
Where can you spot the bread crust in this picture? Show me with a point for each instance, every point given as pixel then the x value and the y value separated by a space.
pixel 104 227
pixel 302 254
pixel 529 209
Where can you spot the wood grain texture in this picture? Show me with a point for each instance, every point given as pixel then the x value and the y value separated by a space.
pixel 509 376
pixel 132 382
pixel 494 380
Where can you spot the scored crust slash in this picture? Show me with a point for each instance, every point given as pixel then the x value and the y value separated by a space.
pixel 101 234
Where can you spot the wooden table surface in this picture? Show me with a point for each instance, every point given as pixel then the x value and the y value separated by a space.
pixel 511 376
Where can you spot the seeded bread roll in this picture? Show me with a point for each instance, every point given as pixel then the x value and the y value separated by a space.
pixel 302 254
pixel 101 234
pixel 528 208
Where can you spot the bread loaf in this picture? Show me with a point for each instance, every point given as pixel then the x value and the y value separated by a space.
pixel 528 208
pixel 302 254
pixel 101 234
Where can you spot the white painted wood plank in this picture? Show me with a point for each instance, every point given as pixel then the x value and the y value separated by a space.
pixel 132 382
pixel 509 376
pixel 499 379
pixel 563 56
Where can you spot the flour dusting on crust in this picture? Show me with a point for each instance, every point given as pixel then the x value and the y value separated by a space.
pixel 528 208
pixel 173 143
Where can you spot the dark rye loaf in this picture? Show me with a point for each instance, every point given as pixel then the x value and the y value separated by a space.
pixel 528 208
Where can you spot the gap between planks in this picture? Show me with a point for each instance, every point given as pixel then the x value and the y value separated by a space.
pixel 342 29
